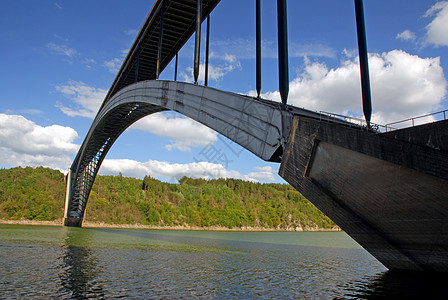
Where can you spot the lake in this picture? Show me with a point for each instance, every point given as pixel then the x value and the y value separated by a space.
pixel 61 262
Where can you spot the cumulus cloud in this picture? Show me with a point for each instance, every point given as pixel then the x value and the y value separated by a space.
pixel 62 50
pixel 172 172
pixel 406 35
pixel 403 85
pixel 182 132
pixel 24 143
pixel 437 30
pixel 87 100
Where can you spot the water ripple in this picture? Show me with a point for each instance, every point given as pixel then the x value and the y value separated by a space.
pixel 63 263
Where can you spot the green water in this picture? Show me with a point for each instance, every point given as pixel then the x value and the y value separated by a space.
pixel 61 262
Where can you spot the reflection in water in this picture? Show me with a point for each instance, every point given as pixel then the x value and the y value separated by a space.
pixel 399 285
pixel 79 268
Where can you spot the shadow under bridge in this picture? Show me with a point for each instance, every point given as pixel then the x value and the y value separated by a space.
pixel 260 126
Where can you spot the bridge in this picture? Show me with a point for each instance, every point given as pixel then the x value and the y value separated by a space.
pixel 387 190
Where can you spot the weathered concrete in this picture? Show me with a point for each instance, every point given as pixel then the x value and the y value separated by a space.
pixel 433 135
pixel 388 194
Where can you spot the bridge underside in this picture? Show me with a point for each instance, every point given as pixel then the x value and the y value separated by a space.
pixel 387 191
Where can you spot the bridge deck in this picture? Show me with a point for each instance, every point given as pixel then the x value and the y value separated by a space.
pixel 179 24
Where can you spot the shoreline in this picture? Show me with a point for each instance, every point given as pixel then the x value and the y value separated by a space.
pixel 87 224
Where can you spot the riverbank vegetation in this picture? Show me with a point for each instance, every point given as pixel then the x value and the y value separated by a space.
pixel 39 194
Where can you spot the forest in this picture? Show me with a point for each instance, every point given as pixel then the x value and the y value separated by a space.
pixel 39 194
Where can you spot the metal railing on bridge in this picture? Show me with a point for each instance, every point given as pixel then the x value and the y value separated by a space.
pixel 419 120
pixel 351 121
pixel 410 122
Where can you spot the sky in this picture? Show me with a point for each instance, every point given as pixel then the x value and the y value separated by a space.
pixel 58 59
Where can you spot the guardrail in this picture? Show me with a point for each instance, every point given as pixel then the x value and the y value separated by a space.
pixel 352 121
pixel 414 119
pixel 384 128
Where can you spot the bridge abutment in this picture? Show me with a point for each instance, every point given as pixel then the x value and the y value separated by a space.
pixel 387 193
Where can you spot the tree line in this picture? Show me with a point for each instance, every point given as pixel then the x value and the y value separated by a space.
pixel 39 194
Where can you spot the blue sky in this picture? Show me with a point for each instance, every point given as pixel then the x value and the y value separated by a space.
pixel 60 57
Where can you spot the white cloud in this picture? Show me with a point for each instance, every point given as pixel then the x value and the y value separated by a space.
pixel 88 62
pixel 62 50
pixel 183 132
pixel 25 111
pixel 131 32
pixel 406 35
pixel 172 171
pixel 87 99
pixel 24 143
pixel 403 85
pixel 215 72
pixel 265 174
pixel 437 30
pixel 113 65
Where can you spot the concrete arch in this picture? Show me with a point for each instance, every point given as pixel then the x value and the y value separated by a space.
pixel 261 126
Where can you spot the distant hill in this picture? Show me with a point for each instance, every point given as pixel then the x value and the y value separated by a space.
pixel 39 194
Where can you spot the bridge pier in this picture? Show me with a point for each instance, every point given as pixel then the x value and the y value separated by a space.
pixel 70 221
pixel 387 191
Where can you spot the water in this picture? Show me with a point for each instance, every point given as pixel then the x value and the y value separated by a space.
pixel 60 262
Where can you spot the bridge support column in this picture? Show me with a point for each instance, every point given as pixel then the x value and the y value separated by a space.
pixel 67 192
pixel 175 67
pixel 283 68
pixel 258 46
pixel 197 44
pixel 363 61
pixel 69 221
pixel 159 52
pixel 207 49
pixel 137 62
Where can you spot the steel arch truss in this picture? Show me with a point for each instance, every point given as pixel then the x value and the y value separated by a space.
pixel 104 132
pixel 260 126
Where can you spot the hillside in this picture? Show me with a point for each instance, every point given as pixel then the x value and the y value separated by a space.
pixel 38 194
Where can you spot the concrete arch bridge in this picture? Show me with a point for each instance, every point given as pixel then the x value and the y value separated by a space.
pixel 388 191
pixel 375 186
